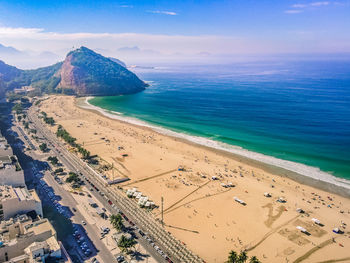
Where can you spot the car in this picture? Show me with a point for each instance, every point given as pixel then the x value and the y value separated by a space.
pixel 89 195
pixel 120 258
pixel 109 202
pixel 74 209
pixel 83 222
pixel 81 194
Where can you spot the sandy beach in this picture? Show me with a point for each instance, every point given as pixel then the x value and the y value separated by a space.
pixel 200 211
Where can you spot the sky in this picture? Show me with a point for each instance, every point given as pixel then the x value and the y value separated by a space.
pixel 177 29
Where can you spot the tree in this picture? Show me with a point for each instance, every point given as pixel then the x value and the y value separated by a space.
pixel 49 120
pixel 58 170
pixel 53 160
pixel 43 147
pixel 254 259
pixel 125 243
pixel 18 108
pixel 242 257
pixel 232 257
pixel 73 177
pixel 117 222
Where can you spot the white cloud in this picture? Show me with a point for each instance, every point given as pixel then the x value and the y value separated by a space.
pixel 163 12
pixel 299 6
pixel 158 47
pixel 319 3
pixel 293 11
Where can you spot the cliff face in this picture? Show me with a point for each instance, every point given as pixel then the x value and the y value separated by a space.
pixel 82 73
pixel 88 73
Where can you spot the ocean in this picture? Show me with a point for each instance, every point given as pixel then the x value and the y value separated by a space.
pixel 294 114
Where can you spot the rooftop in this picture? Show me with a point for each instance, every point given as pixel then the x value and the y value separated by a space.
pixel 21 193
pixel 21 226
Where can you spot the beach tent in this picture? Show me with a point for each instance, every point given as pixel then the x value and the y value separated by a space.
pixel 302 229
pixel 337 230
pixel 281 200
pixel 301 211
pixel 316 221
pixel 239 200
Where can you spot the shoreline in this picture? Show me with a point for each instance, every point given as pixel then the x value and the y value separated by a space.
pixel 325 181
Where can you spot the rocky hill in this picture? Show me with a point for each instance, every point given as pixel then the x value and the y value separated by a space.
pixel 82 73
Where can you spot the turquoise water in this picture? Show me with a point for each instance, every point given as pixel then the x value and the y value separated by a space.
pixel 296 111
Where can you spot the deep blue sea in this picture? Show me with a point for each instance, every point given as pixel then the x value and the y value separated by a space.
pixel 296 111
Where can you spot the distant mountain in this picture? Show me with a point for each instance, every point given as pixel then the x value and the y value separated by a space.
pixel 83 72
pixel 8 50
pixel 129 49
pixel 121 63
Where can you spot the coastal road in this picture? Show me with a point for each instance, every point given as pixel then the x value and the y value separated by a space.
pixel 144 221
pixel 68 201
pixel 57 150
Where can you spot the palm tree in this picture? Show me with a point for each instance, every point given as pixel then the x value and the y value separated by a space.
pixel 254 259
pixel 242 257
pixel 117 222
pixel 232 258
pixel 125 243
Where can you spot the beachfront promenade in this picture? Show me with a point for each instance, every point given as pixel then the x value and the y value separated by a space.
pixel 176 250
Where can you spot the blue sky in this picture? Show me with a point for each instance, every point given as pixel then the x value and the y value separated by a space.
pixel 192 17
pixel 172 27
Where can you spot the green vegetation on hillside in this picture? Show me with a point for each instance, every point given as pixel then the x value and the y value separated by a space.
pixel 84 72
pixel 103 76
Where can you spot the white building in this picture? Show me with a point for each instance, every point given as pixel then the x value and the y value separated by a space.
pixel 5 149
pixel 11 172
pixel 24 240
pixel 16 201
